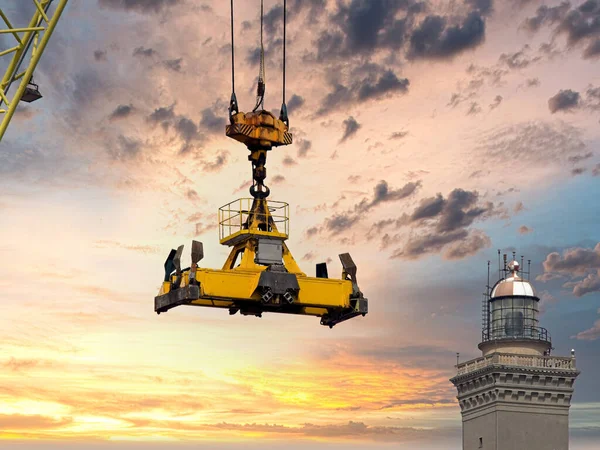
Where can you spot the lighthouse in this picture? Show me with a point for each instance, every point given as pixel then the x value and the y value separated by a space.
pixel 517 395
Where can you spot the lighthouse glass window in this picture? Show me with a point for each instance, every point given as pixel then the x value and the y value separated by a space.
pixel 514 317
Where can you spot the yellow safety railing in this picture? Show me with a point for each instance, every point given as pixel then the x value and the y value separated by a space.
pixel 234 215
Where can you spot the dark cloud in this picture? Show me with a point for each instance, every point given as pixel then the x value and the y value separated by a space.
pixel 365 26
pixel 592 99
pixel 381 194
pixel 294 103
pixel 565 100
pixel 173 64
pixel 596 170
pixel 578 171
pixel 497 100
pixel 474 109
pixel 429 207
pixel 212 122
pixel 141 6
pixel 146 52
pixel 388 82
pixel 187 129
pixel 273 20
pixel 398 134
pixel 518 60
pixel 580 24
pixel 304 145
pixel 369 82
pixel 121 112
pixel 163 115
pixel 289 161
pixel 440 224
pixel 547 15
pixel 125 148
pixel 278 179
pixel 532 82
pixel 436 39
pixel 100 55
pixel 592 50
pixel 217 164
pixel 351 127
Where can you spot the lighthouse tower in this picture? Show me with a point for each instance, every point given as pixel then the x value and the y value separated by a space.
pixel 516 396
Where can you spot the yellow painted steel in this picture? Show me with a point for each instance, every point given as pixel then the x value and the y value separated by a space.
pixel 259 128
pixel 38 33
pixel 236 285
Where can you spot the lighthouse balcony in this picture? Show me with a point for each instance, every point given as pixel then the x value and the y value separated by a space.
pixel 515 360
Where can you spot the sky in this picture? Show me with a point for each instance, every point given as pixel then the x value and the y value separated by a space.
pixel 427 135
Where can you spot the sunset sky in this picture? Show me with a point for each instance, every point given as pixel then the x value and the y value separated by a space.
pixel 465 126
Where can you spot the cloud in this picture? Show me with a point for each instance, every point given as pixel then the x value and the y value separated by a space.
pixel 589 284
pixel 211 122
pixel 575 159
pixel 388 82
pixel 100 55
pixel 140 6
pixel 398 135
pixel 304 145
pixel 441 224
pixel 546 14
pixel 474 109
pixel 496 102
pixel 580 24
pixel 523 229
pixel 218 163
pixel 574 261
pixel 534 143
pixel 367 82
pixel 351 126
pixel 278 179
pixel 294 103
pixel 591 334
pixel 121 112
pixel 145 52
pixel 288 161
pixel 518 60
pixel 173 64
pixel 519 207
pixel 10 422
pixel 436 39
pixel 132 247
pixel 565 100
pixel 341 222
pixel 592 50
pixel 125 148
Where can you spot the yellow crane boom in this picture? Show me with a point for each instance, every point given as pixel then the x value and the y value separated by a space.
pixel 30 42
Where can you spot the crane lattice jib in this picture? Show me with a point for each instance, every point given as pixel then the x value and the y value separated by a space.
pixel 30 43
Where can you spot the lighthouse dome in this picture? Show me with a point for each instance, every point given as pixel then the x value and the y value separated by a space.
pixel 513 285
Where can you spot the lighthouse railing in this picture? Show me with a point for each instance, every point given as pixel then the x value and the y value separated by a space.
pixel 510 359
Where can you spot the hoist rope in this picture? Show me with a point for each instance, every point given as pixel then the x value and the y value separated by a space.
pixel 260 91
pixel 284 22
pixel 232 54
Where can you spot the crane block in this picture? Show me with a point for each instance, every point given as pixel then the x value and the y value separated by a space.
pixel 258 129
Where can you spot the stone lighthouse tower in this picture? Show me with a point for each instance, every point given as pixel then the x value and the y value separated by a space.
pixel 516 396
